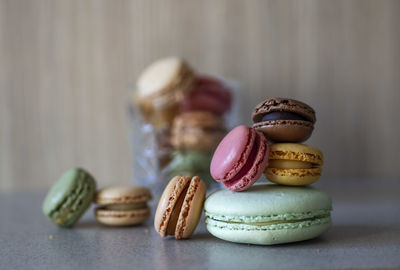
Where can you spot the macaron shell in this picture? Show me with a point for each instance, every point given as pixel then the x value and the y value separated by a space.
pixel 285 130
pixel 253 168
pixel 160 89
pixel 197 139
pixel 232 153
pixel 283 104
pixel 267 237
pixel 122 194
pixel 295 151
pixel 293 177
pixel 190 160
pixel 267 199
pixel 122 218
pixel 209 94
pixel 167 203
pixel 197 131
pixel 191 209
pixel 163 75
pixel 191 163
pixel 69 197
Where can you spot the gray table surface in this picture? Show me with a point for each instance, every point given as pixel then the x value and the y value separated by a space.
pixel 365 234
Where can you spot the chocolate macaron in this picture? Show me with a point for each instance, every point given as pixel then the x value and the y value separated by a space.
pixel 284 120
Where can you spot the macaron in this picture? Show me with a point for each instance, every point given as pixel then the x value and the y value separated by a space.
pixel 161 87
pixel 208 94
pixel 180 206
pixel 197 131
pixel 69 197
pixel 162 148
pixel 240 158
pixel 294 164
pixel 268 214
pixel 191 163
pixel 122 205
pixel 284 120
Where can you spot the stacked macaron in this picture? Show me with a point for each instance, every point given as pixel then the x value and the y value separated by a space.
pixel 199 127
pixel 287 123
pixel 187 113
pixel 268 214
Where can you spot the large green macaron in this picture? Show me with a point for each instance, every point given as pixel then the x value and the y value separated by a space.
pixel 69 197
pixel 268 214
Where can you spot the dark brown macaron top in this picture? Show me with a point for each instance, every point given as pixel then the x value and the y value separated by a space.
pixel 284 120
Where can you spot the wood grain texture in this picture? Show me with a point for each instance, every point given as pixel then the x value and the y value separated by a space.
pixel 65 67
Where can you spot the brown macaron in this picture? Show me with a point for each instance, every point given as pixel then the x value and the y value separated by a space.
pixel 122 206
pixel 197 131
pixel 180 206
pixel 284 120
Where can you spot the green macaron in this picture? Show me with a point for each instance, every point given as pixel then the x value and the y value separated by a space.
pixel 191 163
pixel 69 197
pixel 268 214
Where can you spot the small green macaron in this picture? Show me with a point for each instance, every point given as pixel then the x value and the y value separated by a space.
pixel 191 163
pixel 69 197
pixel 268 214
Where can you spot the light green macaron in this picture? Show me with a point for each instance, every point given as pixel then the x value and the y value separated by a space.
pixel 268 214
pixel 69 197
pixel 191 163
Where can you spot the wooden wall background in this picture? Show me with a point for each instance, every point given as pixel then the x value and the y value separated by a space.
pixel 65 65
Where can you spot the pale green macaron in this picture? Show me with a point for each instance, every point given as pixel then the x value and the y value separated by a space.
pixel 268 214
pixel 69 197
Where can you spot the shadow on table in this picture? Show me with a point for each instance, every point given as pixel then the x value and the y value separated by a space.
pixel 350 236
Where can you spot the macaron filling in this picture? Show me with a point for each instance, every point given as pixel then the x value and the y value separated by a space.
pixel 289 164
pixel 269 222
pixel 175 213
pixel 269 218
pixel 125 206
pixel 273 225
pixel 283 115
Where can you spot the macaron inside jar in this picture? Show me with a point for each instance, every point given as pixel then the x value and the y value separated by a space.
pixel 284 120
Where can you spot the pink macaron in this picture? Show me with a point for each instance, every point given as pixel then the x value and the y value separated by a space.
pixel 210 95
pixel 240 158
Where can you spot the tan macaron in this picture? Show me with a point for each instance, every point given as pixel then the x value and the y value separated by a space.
pixel 122 206
pixel 293 164
pixel 161 87
pixel 179 209
pixel 197 131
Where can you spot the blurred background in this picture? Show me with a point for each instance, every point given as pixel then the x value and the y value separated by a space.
pixel 66 67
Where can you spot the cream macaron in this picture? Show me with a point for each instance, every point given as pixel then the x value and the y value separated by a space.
pixel 161 87
pixel 122 205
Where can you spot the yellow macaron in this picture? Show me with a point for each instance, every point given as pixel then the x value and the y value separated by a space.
pixel 293 164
